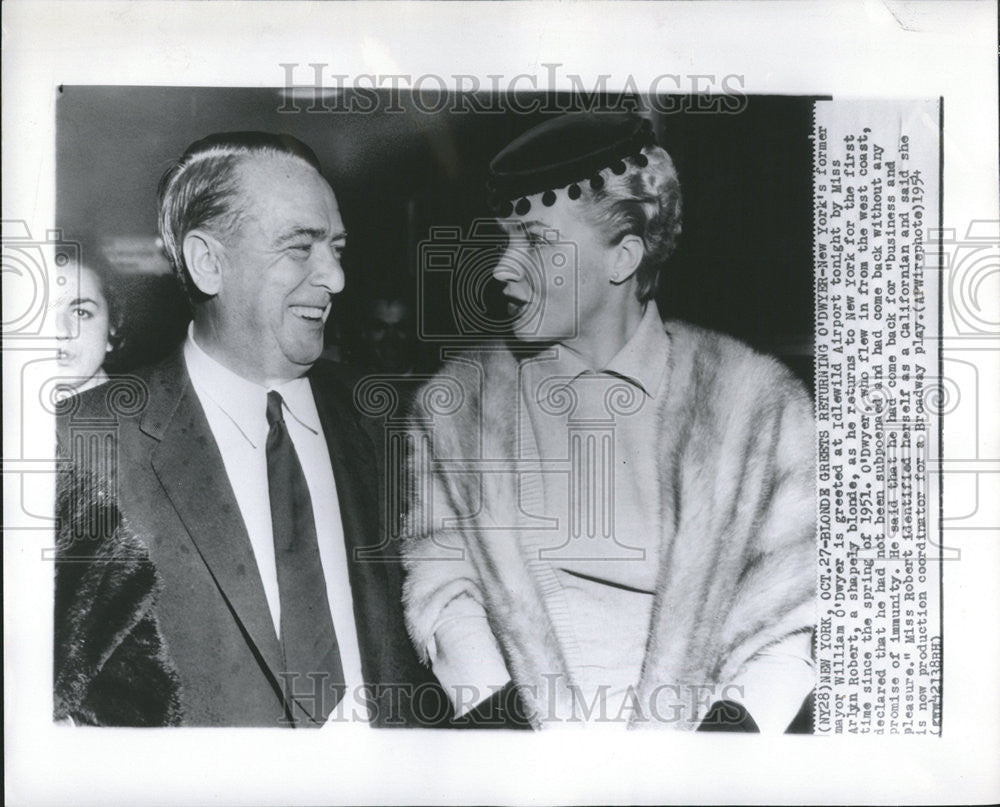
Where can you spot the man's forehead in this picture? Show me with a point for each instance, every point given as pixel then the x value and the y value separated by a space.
pixel 288 189
pixel 273 164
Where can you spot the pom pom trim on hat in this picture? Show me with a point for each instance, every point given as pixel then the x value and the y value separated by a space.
pixel 567 151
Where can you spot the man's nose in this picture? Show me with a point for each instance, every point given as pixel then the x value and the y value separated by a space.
pixel 328 271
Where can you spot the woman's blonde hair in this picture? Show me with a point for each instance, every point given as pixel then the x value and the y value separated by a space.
pixel 642 200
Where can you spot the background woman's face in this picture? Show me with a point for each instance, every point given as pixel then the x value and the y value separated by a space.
pixel 83 326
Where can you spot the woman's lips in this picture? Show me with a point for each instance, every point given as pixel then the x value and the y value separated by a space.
pixel 515 306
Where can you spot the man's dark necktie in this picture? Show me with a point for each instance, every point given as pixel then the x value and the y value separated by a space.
pixel 315 676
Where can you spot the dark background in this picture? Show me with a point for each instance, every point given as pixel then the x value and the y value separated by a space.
pixel 743 265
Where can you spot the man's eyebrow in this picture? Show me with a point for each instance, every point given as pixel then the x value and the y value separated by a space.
pixel 315 233
pixel 83 301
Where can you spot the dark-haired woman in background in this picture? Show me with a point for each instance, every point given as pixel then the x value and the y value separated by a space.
pixel 111 665
pixel 88 323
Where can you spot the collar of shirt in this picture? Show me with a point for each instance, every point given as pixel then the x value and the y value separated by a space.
pixel 245 402
pixel 642 361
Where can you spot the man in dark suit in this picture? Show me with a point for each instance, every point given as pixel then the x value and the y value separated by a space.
pixel 244 468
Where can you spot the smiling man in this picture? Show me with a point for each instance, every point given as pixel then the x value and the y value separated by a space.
pixel 248 472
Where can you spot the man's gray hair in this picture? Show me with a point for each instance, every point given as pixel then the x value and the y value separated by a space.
pixel 201 190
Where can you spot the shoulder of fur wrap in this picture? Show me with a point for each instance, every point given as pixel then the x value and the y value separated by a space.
pixel 111 663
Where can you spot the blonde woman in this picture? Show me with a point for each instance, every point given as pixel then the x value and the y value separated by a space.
pixel 617 525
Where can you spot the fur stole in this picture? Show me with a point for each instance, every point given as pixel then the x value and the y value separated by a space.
pixel 736 439
pixel 111 665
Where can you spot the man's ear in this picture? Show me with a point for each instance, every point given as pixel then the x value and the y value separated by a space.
pixel 203 254
pixel 626 257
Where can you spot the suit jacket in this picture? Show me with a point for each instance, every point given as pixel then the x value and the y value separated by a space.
pixel 148 436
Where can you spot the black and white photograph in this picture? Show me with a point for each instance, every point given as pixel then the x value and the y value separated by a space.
pixel 528 416
pixel 564 286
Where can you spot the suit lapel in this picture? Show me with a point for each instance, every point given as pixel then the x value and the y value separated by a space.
pixel 189 466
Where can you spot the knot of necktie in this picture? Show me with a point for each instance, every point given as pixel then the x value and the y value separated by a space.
pixel 274 408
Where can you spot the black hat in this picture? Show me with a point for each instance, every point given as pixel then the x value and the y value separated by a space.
pixel 565 151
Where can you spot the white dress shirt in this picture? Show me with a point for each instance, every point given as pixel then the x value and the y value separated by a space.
pixel 236 412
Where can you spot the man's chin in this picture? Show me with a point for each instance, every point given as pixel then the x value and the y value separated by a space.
pixel 304 355
pixel 307 360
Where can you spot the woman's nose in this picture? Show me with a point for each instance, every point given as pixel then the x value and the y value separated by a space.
pixel 510 267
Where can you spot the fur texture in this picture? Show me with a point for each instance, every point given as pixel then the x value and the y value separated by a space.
pixel 111 664
pixel 736 568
